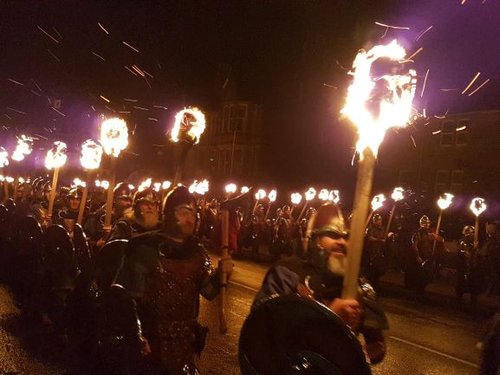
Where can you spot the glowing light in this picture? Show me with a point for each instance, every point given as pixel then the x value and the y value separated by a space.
pixel 378 201
pixel 478 206
pixel 245 189
pixel 114 136
pixel 261 194
pixel 230 188
pixel 21 180
pixel 9 179
pixel 393 107
pixel 131 187
pixel 334 196
pixel 56 156
pixel 397 194
pixel 165 185
pixel 91 155
pixel 157 186
pixel 189 125
pixel 202 187
pixel 4 157
pixel 77 182
pixel 105 184
pixel 146 184
pixel 323 194
pixel 296 198
pixel 310 194
pixel 272 196
pixel 23 148
pixel 445 200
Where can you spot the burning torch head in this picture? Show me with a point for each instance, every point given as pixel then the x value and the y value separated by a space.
pixel 180 214
pixel 425 222
pixel 468 231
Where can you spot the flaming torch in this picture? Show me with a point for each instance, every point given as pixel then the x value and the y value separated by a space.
pixel 114 139
pixel 24 147
pixel 295 198
pixel 323 195
pixel 477 206
pixel 397 195
pixel 443 203
pixel 310 194
pixel 230 189
pixel 55 159
pixel 188 127
pixel 272 198
pixel 90 159
pixel 377 202
pixel 260 194
pixel 334 196
pixel 373 104
pixel 4 161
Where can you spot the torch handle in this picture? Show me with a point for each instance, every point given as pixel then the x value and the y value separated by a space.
pixel 109 198
pixel 268 210
pixel 52 197
pixel 389 222
pixel 360 212
pixel 223 275
pixel 302 211
pixel 368 218
pixel 476 232
pixel 438 227
pixel 83 203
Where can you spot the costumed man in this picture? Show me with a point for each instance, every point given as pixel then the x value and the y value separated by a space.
pixel 420 265
pixel 166 272
pixel 468 273
pixel 374 262
pixel 143 216
pixel 319 276
pixel 489 256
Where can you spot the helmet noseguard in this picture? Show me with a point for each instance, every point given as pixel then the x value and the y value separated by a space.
pixel 326 220
pixel 179 197
pixel 376 218
pixel 424 220
pixel 468 230
pixel 75 193
pixel 121 190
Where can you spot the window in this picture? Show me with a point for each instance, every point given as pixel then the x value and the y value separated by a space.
pixel 457 179
pixel 448 129
pixel 442 181
pixel 234 117
pixel 462 130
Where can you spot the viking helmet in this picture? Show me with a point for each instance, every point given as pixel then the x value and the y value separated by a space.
pixel 326 220
pixel 179 197
pixel 468 230
pixel 424 220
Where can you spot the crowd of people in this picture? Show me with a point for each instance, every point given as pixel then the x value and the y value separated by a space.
pixel 125 297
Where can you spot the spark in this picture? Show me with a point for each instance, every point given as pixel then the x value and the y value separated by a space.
pixel 436 132
pixel 124 112
pixel 35 93
pixel 59 112
pixel 54 56
pixel 415 53
pixel 131 100
pixel 448 90
pixel 141 108
pixel 421 34
pixel 392 27
pixel 463 2
pixel 98 56
pixel 46 33
pixel 102 28
pixel 148 74
pixel 481 85
pixel 461 128
pixel 471 82
pixel 41 136
pixel 131 47
pixel 138 70
pixel 57 32
pixel 160 107
pixel 425 82
pixel 104 98
pixel 413 140
pixel 16 110
pixel 131 71
pixel 16 82
pixel 152 119
pixel 6 115
pixel 330 86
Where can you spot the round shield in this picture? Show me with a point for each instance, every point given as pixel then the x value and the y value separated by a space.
pixel 60 257
pixel 108 262
pixel 295 335
pixel 82 249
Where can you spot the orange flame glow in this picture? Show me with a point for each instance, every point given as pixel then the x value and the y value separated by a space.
pixel 478 206
pixel 56 156
pixel 114 136
pixel 91 155
pixel 445 200
pixel 393 108
pixel 23 148
pixel 397 194
pixel 189 126
pixel 378 201
pixel 4 157
pixel 296 198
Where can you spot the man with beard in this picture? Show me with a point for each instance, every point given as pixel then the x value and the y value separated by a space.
pixel 320 277
pixel 142 217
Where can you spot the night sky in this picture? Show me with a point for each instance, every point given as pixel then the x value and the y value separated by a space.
pixel 145 60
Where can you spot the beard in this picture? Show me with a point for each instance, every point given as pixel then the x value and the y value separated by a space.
pixel 149 220
pixel 337 265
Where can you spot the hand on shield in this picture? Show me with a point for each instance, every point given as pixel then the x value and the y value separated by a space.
pixel 348 310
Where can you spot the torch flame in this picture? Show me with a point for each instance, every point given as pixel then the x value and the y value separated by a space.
pixel 334 196
pixel 91 154
pixel 310 194
pixel 478 206
pixel 189 125
pixel 202 187
pixel 296 198
pixel 397 194
pixel 56 156
pixel 4 157
pixel 230 188
pixel 114 136
pixel 23 148
pixel 166 184
pixel 157 186
pixel 146 184
pixel 393 107
pixel 323 194
pixel 378 201
pixel 272 195
pixel 261 194
pixel 77 182
pixel 445 200
pixel 245 189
